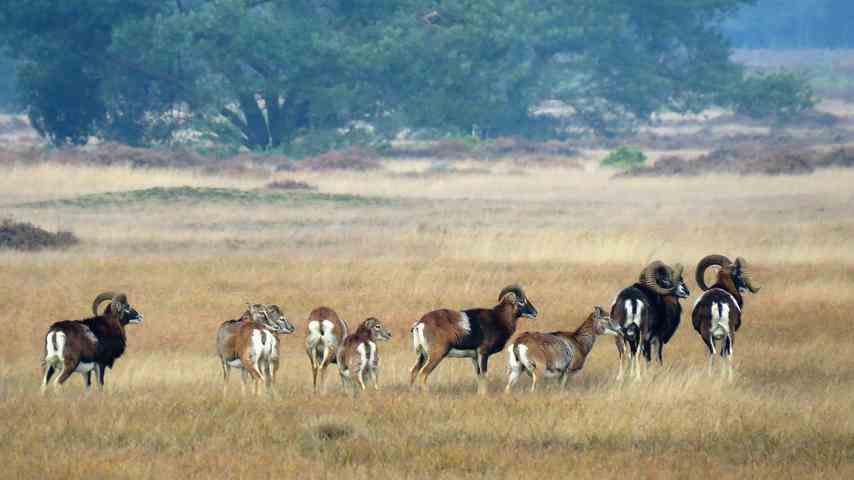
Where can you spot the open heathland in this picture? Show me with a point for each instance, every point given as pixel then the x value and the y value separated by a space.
pixel 191 248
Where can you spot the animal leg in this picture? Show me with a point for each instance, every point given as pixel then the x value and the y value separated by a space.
pixel 433 361
pixel 729 355
pixel 102 372
pixel 244 377
pixel 533 380
pixel 67 370
pixel 375 376
pixel 226 370
pixel 563 379
pixel 361 378
pixel 48 373
pixel 324 363
pixel 710 343
pixel 420 361
pixel 515 372
pixel 647 350
pixel 482 382
pixel 87 378
pixel 621 353
pixel 311 358
pixel 272 369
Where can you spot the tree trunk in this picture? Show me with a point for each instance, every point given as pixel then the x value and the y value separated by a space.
pixel 257 134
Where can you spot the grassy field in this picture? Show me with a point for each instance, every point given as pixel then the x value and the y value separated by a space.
pixel 395 247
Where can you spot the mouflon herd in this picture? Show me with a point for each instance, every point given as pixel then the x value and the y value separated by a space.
pixel 644 317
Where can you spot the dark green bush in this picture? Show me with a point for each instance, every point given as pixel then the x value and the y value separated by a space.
pixel 26 236
pixel 779 96
pixel 624 158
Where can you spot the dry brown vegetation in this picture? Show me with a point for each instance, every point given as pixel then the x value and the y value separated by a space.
pixel 572 237
pixel 191 245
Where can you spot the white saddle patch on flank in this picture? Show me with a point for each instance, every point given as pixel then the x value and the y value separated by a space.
pixel 89 335
pixel 314 329
pixel 464 322
pixel 236 363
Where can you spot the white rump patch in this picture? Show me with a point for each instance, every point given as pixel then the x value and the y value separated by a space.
pixel 633 315
pixel 464 322
pixel 732 298
pixel 512 361
pixel 419 341
pixel 523 357
pixel 720 319
pixel 54 356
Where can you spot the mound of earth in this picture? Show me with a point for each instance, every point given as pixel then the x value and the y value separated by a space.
pixel 748 159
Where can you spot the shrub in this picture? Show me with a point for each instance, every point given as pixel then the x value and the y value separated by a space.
pixel 289 184
pixel 779 96
pixel 624 158
pixel 28 237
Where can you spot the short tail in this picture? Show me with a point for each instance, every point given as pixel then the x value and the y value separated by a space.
pixel 54 347
pixel 419 341
pixel 512 357
pixel 522 356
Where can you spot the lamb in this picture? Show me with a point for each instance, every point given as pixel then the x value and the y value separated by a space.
pixel 358 359
pixel 250 344
pixel 324 333
pixel 557 354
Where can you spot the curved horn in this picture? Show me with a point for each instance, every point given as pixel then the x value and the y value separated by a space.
pixel 102 297
pixel 707 262
pixel 676 273
pixel 649 278
pixel 515 288
pixel 745 275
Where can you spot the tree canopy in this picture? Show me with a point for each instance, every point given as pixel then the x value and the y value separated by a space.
pixel 269 74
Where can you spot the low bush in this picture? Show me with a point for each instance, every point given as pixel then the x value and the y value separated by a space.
pixel 28 237
pixel 624 158
pixel 289 184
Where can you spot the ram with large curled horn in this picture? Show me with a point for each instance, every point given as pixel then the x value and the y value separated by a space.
pixel 717 313
pixel 94 343
pixel 648 313
pixel 476 333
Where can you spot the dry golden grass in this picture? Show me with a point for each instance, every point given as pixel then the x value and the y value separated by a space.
pixel 574 238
